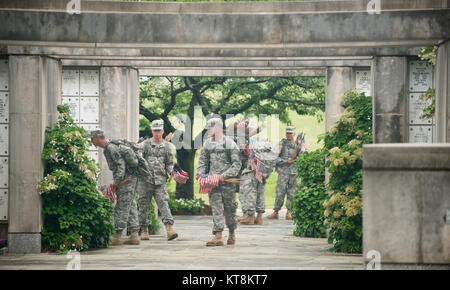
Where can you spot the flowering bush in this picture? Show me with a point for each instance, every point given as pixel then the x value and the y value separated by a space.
pixel 193 206
pixel 76 215
pixel 344 141
pixel 307 208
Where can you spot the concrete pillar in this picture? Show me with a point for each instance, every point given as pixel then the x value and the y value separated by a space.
pixel 35 88
pixel 442 81
pixel 339 80
pixel 406 205
pixel 119 109
pixel 389 99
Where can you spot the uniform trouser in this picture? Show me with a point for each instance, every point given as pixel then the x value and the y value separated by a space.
pixel 286 185
pixel 251 195
pixel 146 192
pixel 222 200
pixel 125 210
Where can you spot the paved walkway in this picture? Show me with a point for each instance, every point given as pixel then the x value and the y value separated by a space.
pixel 270 246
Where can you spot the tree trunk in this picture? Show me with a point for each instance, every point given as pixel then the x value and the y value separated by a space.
pixel 186 159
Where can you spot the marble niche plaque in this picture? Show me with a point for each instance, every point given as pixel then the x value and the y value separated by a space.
pixel 4 74
pixel 70 82
pixel 4 139
pixel 4 107
pixel 420 76
pixel 89 110
pixel 74 104
pixel 421 134
pixel 4 172
pixel 89 82
pixel 363 81
pixel 416 107
pixel 3 204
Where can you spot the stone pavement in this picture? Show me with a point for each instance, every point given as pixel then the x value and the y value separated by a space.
pixel 270 246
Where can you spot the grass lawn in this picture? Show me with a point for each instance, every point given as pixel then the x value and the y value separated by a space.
pixel 308 124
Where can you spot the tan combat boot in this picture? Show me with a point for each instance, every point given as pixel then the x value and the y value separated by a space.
pixel 170 232
pixel 273 216
pixel 231 238
pixel 259 219
pixel 133 239
pixel 216 241
pixel 250 220
pixel 288 215
pixel 244 217
pixel 144 233
pixel 117 240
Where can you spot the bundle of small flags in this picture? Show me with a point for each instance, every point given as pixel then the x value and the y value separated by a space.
pixel 258 167
pixel 179 174
pixel 108 191
pixel 208 182
pixel 301 141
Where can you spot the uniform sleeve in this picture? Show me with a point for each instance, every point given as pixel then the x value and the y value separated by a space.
pixel 236 163
pixel 203 161
pixel 119 173
pixel 169 159
pixel 280 159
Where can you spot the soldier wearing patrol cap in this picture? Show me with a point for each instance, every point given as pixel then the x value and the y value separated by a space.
pixel 159 156
pixel 125 210
pixel 287 181
pixel 220 156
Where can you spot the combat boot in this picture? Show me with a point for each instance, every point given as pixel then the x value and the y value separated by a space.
pixel 133 239
pixel 117 240
pixel 249 221
pixel 216 241
pixel 273 216
pixel 170 232
pixel 231 238
pixel 259 219
pixel 244 217
pixel 288 215
pixel 144 233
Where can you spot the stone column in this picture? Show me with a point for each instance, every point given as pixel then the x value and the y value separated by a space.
pixel 35 88
pixel 389 99
pixel 119 109
pixel 442 80
pixel 339 80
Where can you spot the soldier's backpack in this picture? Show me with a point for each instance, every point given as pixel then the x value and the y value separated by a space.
pixel 132 154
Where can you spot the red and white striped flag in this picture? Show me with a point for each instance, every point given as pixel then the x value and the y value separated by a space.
pixel 258 167
pixel 108 191
pixel 208 182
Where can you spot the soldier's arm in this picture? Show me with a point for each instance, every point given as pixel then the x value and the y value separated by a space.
pixel 203 162
pixel 119 173
pixel 169 159
pixel 280 159
pixel 236 163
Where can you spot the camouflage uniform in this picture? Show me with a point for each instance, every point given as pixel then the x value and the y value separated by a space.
pixel 125 210
pixel 251 191
pixel 287 181
pixel 160 160
pixel 221 157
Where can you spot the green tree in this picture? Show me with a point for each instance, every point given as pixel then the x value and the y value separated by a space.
pixel 162 98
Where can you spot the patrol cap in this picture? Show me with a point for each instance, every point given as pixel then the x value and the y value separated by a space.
pixel 214 122
pixel 97 133
pixel 290 129
pixel 157 125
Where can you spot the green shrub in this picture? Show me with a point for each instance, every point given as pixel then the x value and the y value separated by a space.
pixel 153 226
pixel 344 141
pixel 307 208
pixel 76 215
pixel 193 206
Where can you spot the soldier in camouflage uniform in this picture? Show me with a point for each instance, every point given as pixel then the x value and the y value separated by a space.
pixel 287 181
pixel 220 155
pixel 125 210
pixel 159 157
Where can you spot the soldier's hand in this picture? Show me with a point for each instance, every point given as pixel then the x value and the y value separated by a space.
pixel 198 176
pixel 289 161
pixel 221 178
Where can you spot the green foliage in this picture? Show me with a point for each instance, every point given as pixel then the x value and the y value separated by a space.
pixel 153 226
pixel 76 215
pixel 429 54
pixel 344 141
pixel 193 206
pixel 307 208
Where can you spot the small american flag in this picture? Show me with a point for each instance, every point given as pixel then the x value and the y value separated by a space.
pixel 208 182
pixel 258 167
pixel 179 174
pixel 108 191
pixel 301 142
